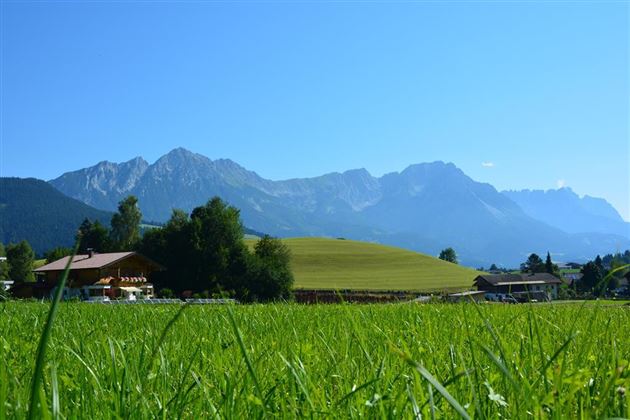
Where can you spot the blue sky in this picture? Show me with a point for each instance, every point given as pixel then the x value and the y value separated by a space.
pixel 518 94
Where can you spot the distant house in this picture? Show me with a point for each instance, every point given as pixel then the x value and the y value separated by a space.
pixel 571 278
pixel 522 286
pixel 101 276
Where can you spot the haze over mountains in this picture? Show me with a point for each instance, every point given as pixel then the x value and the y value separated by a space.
pixel 568 211
pixel 426 207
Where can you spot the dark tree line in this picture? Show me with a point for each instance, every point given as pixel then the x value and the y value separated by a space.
pixel 205 251
pixel 599 278
pixel 124 234
pixel 535 264
pixel 611 261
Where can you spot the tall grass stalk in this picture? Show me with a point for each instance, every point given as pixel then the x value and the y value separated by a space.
pixel 38 371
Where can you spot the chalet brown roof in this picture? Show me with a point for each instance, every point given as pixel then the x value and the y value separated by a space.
pixel 84 261
pixel 512 279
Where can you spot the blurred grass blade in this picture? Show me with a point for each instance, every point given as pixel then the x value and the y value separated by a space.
pixel 499 363
pixel 436 384
pixel 241 345
pixel 554 357
pixel 55 392
pixel 603 282
pixel 165 331
pixel 414 404
pixel 299 381
pixel 355 390
pixel 45 337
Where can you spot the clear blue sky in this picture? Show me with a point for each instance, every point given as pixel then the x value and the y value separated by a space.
pixel 518 94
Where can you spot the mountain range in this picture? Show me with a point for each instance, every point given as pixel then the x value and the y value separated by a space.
pixel 566 210
pixel 425 207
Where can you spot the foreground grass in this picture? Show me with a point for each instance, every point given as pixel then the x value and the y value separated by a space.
pixel 284 361
pixel 321 263
pixel 594 302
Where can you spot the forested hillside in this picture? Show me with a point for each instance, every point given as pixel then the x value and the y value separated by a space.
pixel 32 209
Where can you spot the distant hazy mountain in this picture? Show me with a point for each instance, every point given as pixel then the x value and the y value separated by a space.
pixel 425 207
pixel 565 210
pixel 32 209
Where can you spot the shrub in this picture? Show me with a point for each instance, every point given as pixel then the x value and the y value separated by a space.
pixel 166 293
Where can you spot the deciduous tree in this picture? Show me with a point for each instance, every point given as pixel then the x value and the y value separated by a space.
pixel 216 241
pixel 534 264
pixel 449 255
pixel 206 252
pixel 125 232
pixel 94 236
pixel 591 280
pixel 20 257
pixel 57 253
pixel 271 276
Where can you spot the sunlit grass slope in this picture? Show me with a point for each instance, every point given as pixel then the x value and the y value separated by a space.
pixel 320 263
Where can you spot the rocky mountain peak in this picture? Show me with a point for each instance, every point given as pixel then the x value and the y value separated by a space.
pixel 426 206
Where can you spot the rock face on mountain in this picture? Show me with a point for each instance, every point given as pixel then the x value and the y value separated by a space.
pixel 426 207
pixel 101 185
pixel 565 210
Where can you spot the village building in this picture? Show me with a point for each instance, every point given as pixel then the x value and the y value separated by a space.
pixel 538 286
pixel 572 279
pixel 104 276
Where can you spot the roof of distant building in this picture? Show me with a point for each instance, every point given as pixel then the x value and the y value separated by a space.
pixel 524 279
pixel 87 261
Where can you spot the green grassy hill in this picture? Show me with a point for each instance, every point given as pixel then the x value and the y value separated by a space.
pixel 320 263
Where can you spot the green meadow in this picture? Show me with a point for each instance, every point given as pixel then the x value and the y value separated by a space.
pixel 320 263
pixel 335 361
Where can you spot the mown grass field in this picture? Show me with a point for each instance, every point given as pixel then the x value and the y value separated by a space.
pixel 336 361
pixel 320 263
